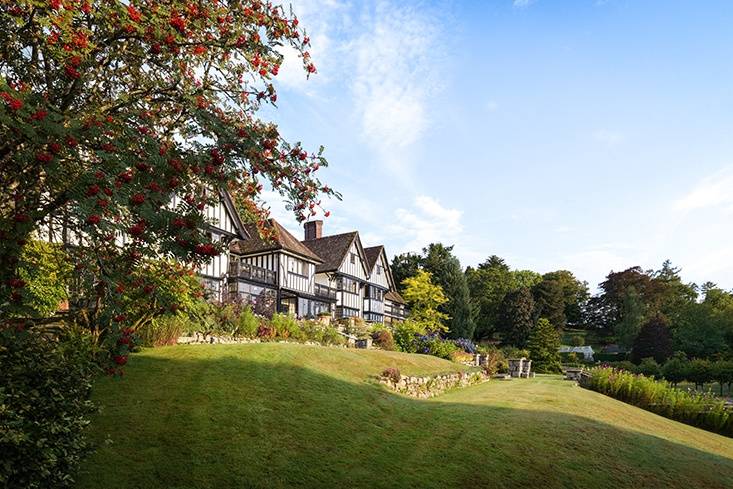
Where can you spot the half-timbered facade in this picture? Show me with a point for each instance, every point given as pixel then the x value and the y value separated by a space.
pixel 380 282
pixel 395 308
pixel 224 224
pixel 278 274
pixel 344 267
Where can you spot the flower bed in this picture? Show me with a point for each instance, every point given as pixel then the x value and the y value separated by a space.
pixel 702 410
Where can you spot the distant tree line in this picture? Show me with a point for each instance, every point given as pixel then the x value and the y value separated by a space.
pixel 649 313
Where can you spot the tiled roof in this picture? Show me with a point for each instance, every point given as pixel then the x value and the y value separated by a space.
pixel 372 255
pixel 282 240
pixel 331 249
pixel 394 296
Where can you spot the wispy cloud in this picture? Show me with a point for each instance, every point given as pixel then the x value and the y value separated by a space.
pixel 426 221
pixel 396 73
pixel 522 3
pixel 713 191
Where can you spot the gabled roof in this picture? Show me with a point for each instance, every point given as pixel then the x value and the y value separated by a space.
pixel 229 205
pixel 333 250
pixel 282 240
pixel 372 256
pixel 394 296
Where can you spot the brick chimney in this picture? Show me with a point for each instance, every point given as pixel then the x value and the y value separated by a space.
pixel 313 230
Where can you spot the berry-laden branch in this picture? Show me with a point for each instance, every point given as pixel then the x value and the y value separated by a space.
pixel 109 109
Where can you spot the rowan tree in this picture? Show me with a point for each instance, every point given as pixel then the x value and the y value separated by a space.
pixel 109 109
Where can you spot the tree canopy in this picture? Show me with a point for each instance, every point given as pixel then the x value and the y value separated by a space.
pixel 110 108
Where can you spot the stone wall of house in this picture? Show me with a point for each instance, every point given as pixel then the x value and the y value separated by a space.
pixel 431 386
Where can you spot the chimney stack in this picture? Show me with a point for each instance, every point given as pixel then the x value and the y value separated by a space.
pixel 313 230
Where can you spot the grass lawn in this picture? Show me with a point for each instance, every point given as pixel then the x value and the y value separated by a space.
pixel 282 415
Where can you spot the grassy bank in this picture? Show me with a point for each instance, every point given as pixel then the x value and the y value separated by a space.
pixel 276 415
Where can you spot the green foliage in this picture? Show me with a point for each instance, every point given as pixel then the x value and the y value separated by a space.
pixel 405 266
pixel 436 346
pixel 286 326
pixel 543 346
pixel 163 330
pixel 45 384
pixel 46 271
pixel 577 340
pixel 405 333
pixel 549 301
pixel 575 295
pixel 424 298
pixel 649 367
pixel 516 317
pixel 700 410
pixel 676 369
pixel 699 371
pixel 654 340
pixel 703 329
pixel 632 317
pixel 446 272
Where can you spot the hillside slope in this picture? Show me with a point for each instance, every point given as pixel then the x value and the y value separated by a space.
pixel 280 415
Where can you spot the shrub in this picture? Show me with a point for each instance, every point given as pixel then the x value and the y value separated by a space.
pixel 164 330
pixel 466 345
pixel 648 367
pixel 700 372
pixel 393 374
pixel 577 340
pixel 356 327
pixel 265 331
pixel 433 344
pixel 405 333
pixel 496 361
pixel 286 326
pixel 623 365
pixel 44 407
pixel 702 410
pixel 676 369
pixel 544 343
pixel 247 322
pixel 331 336
pixel 383 339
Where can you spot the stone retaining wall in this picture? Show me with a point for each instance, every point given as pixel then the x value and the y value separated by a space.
pixel 431 386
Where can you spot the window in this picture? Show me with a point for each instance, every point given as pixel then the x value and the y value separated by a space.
pixel 379 269
pixel 348 285
pixel 296 266
pixel 353 258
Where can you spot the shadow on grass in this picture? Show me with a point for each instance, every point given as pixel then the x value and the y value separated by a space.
pixel 233 422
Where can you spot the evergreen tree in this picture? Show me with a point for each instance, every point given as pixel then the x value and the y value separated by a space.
pixel 404 266
pixel 515 317
pixel 550 302
pixel 632 316
pixel 447 273
pixel 544 346
pixel 654 340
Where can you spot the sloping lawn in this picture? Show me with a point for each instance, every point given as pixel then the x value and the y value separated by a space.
pixel 281 415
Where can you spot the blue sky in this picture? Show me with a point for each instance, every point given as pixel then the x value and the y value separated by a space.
pixel 587 135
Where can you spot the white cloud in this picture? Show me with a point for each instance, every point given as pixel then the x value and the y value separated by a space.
pixel 396 63
pixel 608 137
pixel 522 3
pixel 427 221
pixel 713 191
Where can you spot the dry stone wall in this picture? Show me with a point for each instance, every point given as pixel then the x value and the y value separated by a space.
pixel 431 386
